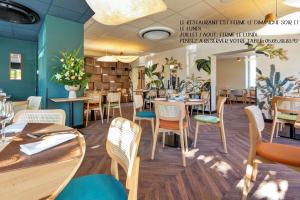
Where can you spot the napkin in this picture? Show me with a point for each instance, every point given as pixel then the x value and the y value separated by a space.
pixel 15 128
pixel 47 143
pixel 194 99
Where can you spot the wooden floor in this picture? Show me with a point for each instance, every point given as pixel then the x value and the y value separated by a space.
pixel 210 174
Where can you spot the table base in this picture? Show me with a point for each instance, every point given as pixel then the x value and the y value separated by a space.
pixel 173 140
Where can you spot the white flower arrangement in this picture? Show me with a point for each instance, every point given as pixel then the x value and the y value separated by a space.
pixel 71 70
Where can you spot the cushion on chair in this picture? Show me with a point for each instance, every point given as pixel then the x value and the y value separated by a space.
pixel 288 117
pixel 173 125
pixel 112 105
pixel 207 119
pixel 145 114
pixel 280 153
pixel 93 187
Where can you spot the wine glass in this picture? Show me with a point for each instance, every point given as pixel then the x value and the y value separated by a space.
pixel 6 115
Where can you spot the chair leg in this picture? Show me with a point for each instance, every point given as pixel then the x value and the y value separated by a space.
pixel 196 134
pixel 182 148
pixel 114 169
pixel 186 140
pixel 154 142
pixel 254 172
pixel 101 115
pixel 164 139
pixel 281 126
pixel 273 130
pixel 247 180
pixel 277 129
pixel 87 118
pixel 120 110
pixel 203 108
pixel 108 109
pixel 152 127
pixel 223 137
pixel 113 112
pixel 95 115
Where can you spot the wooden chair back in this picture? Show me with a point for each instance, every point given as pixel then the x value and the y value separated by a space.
pixel 162 93
pixel 152 94
pixel 57 116
pixel 137 102
pixel 96 97
pixel 170 111
pixel 220 107
pixel 256 126
pixel 288 105
pixel 34 103
pixel 122 146
pixel 252 92
pixel 244 92
pixel 205 95
pixel 114 97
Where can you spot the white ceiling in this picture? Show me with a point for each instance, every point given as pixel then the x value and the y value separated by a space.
pixel 100 38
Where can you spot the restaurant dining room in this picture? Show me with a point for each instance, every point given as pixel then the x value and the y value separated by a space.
pixel 149 99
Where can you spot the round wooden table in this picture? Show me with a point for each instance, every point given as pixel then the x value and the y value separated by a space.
pixel 42 175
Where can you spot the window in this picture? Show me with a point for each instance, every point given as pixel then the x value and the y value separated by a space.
pixel 15 68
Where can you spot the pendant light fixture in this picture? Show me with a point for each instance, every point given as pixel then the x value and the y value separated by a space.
pixel 126 59
pixel 117 58
pixel 274 25
pixel 116 12
pixel 271 17
pixel 292 3
pixel 107 58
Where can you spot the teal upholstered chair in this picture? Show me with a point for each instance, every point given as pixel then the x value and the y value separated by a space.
pixel 212 120
pixel 122 146
pixel 142 115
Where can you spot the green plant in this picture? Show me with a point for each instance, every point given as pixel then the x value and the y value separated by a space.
pixel 197 84
pixel 268 50
pixel 172 61
pixel 71 69
pixel 272 86
pixel 154 78
pixel 204 64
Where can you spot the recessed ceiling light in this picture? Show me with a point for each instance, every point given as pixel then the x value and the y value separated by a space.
pixel 17 13
pixel 156 33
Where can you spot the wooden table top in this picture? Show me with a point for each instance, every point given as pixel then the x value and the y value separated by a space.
pixel 186 102
pixel 59 100
pixel 42 175
pixel 297 123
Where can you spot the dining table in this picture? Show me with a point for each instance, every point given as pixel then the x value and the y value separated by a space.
pixel 42 175
pixel 173 140
pixel 71 102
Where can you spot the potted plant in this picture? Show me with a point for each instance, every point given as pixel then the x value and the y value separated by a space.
pixel 71 72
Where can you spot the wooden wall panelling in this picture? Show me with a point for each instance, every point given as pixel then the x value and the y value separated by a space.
pixel 107 76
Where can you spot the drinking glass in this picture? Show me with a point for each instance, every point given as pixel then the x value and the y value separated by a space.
pixel 6 115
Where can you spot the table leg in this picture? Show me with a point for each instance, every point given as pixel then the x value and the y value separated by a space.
pixel 292 131
pixel 71 114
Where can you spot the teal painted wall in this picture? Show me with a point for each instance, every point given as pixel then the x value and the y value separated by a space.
pixel 19 89
pixel 57 35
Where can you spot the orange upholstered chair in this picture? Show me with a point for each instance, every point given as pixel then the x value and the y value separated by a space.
pixel 261 152
pixel 170 118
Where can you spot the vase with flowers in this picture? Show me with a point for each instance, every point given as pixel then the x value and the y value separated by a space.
pixel 70 72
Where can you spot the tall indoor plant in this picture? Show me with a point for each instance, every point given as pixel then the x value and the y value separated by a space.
pixel 70 72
